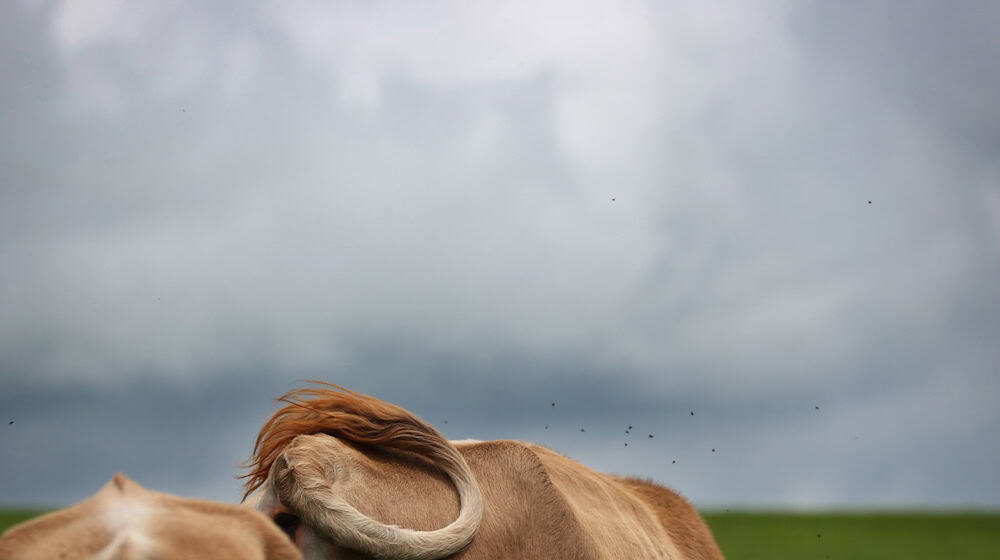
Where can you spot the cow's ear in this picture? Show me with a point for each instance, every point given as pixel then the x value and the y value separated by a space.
pixel 306 465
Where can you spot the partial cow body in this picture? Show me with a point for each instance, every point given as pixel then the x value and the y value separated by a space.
pixel 124 521
pixel 343 456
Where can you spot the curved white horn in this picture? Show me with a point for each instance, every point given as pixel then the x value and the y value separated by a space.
pixel 306 482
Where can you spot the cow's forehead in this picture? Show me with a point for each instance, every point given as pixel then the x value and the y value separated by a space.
pixel 123 503
pixel 124 512
pixel 124 521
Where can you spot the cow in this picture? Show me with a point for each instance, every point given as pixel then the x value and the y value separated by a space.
pixel 349 476
pixel 124 521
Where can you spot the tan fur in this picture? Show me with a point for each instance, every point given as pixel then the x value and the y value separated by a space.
pixel 308 476
pixel 680 519
pixel 537 503
pixel 124 521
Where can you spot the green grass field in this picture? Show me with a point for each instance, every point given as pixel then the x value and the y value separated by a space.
pixel 9 517
pixel 857 536
pixel 807 536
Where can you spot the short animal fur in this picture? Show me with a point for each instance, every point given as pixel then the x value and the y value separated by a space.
pixel 350 476
pixel 124 521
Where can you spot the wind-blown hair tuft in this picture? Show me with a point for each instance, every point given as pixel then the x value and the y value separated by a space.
pixel 333 410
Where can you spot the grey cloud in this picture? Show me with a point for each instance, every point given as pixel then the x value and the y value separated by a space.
pixel 197 214
pixel 938 62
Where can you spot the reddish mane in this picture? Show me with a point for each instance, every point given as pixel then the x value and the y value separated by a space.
pixel 339 412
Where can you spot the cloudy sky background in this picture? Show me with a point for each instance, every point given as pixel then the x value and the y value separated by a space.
pixel 474 209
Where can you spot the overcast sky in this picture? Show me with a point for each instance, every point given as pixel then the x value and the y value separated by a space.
pixel 783 217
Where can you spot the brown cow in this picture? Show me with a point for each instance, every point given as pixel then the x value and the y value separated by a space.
pixel 124 521
pixel 350 476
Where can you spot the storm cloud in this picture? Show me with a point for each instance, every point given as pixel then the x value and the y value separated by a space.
pixel 782 218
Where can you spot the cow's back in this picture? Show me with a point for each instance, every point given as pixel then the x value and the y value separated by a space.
pixel 682 522
pixel 540 504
